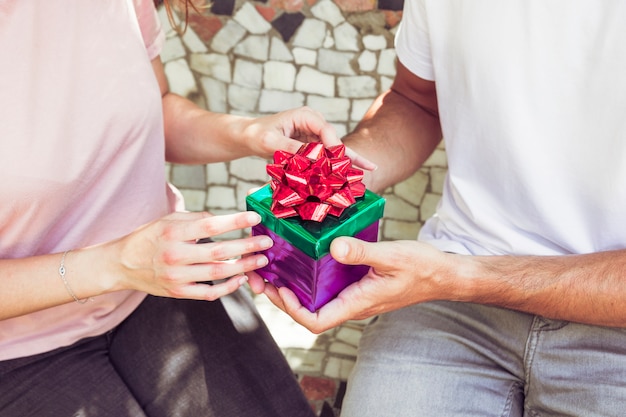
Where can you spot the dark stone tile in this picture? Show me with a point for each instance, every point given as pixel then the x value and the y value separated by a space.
pixel 390 4
pixel 287 23
pixel 223 7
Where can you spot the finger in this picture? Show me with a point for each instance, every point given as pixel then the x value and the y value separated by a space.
pixel 271 292
pixel 215 225
pixel 256 282
pixel 227 249
pixel 352 251
pixel 201 291
pixel 213 271
pixel 360 161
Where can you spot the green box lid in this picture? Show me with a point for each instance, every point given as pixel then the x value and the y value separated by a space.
pixel 314 238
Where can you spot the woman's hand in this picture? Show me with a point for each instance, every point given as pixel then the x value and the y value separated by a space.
pixel 287 131
pixel 163 258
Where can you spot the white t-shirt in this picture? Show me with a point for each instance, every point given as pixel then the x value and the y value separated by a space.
pixel 532 100
pixel 81 147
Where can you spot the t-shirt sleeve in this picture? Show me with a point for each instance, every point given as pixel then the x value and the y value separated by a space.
pixel 150 26
pixel 413 40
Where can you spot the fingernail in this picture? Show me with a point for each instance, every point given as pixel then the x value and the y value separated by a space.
pixel 254 218
pixel 262 261
pixel 243 280
pixel 266 242
pixel 341 248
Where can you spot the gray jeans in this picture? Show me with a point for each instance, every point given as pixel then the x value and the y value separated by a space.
pixel 445 359
pixel 170 358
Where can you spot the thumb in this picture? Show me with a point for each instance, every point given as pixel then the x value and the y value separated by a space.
pixel 351 251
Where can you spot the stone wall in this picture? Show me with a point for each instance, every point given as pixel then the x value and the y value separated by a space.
pixel 255 58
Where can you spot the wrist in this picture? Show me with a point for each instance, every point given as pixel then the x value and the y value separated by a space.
pixel 468 276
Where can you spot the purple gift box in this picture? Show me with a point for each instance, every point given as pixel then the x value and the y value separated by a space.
pixel 300 258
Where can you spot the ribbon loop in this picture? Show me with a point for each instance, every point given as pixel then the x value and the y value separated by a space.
pixel 314 182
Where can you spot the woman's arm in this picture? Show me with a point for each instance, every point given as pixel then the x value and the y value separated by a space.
pixel 160 258
pixel 197 136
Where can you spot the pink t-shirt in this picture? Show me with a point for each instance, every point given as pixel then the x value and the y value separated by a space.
pixel 81 147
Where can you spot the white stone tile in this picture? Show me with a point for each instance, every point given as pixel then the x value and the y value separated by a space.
pixel 349 335
pixel 249 169
pixel 359 86
pixel 374 42
pixel 329 41
pixel 213 65
pixel 387 62
pixel 305 360
pixel 253 47
pixel 193 42
pixel 304 56
pixel 180 78
pixel 279 75
pixel 338 368
pixel 166 24
pixel 398 209
pixel 248 73
pixel 286 332
pixel 168 171
pixel 172 49
pixel 328 11
pixel 220 196
pixel 333 109
pixel 243 188
pixel 340 129
pixel 359 108
pixel 367 61
pixel 437 178
pixel 273 101
pixel 310 80
pixel 243 98
pixel 227 37
pixel 413 188
pixel 399 230
pixel 310 34
pixel 335 62
pixel 437 159
pixel 194 199
pixel 429 206
pixel 232 235
pixel 346 37
pixel 342 349
pixel 248 17
pixel 385 83
pixel 279 50
pixel 217 173
pixel 215 93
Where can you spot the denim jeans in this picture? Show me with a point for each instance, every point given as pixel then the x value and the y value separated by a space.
pixel 170 358
pixel 444 359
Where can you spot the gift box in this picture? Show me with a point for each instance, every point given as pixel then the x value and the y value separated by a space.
pixel 314 196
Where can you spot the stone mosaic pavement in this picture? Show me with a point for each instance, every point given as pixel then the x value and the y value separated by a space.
pixel 259 57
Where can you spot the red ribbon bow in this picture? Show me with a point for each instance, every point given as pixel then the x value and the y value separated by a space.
pixel 314 182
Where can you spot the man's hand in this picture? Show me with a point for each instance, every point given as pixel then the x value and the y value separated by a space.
pixel 401 273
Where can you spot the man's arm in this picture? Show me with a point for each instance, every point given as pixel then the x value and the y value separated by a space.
pixel 399 131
